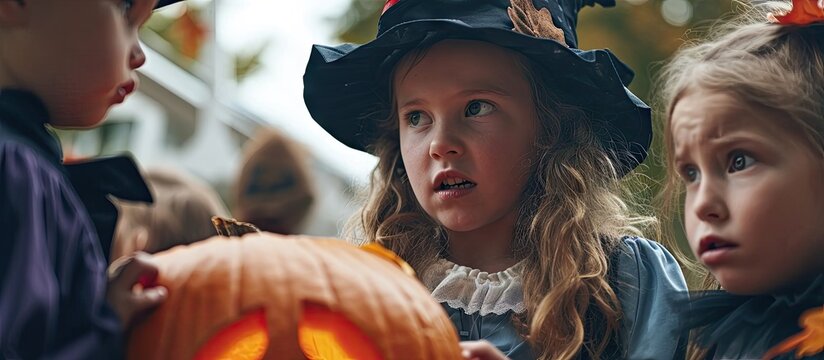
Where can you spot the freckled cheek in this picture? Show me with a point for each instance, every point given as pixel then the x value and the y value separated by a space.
pixel 411 149
pixel 414 161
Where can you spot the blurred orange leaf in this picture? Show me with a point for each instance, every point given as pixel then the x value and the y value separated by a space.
pixel 804 12
pixel 808 342
pixel 191 32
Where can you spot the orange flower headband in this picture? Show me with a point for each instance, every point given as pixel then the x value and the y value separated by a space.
pixel 804 12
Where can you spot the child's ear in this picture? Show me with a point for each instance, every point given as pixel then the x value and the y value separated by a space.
pixel 13 13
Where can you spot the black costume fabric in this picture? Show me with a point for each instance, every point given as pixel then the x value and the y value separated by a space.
pixel 745 327
pixel 52 268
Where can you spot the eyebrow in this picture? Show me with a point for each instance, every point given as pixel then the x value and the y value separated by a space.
pixel 412 103
pixel 494 90
pixel 724 143
pixel 678 157
pixel 489 90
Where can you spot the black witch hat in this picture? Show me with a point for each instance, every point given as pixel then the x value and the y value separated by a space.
pixel 344 83
pixel 162 3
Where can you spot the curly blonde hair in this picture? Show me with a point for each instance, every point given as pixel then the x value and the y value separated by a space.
pixel 570 221
pixel 774 66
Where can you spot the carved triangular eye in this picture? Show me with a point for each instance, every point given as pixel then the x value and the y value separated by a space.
pixel 245 339
pixel 327 335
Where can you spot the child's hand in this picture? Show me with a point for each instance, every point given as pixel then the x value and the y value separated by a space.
pixel 131 290
pixel 481 350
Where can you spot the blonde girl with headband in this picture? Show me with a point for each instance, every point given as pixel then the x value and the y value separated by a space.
pixel 745 154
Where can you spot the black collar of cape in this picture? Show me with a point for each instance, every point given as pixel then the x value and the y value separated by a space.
pixel 24 117
pixel 721 317
pixel 95 180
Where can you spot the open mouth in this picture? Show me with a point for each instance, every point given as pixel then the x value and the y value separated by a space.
pixel 124 90
pixel 455 183
pixel 713 244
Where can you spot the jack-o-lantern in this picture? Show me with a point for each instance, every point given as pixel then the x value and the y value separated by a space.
pixel 267 296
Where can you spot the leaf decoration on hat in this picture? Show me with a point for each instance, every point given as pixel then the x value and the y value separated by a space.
pixel 804 12
pixel 809 342
pixel 530 21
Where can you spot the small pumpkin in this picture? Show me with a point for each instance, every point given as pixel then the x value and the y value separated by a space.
pixel 267 296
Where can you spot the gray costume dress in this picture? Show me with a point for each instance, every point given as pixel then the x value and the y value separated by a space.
pixel 649 282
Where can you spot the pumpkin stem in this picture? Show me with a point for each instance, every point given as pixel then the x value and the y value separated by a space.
pixel 232 227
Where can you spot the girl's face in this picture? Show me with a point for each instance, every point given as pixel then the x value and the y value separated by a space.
pixel 78 56
pixel 467 132
pixel 754 193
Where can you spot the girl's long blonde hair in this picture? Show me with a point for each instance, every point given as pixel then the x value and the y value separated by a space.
pixel 773 66
pixel 570 220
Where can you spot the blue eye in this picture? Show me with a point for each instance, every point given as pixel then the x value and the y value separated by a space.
pixel 740 161
pixel 478 108
pixel 417 118
pixel 414 118
pixel 690 173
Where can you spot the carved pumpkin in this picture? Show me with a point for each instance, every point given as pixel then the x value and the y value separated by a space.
pixel 267 296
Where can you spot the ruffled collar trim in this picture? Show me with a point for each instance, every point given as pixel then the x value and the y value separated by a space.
pixel 475 291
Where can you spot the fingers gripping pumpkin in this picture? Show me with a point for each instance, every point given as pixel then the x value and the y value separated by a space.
pixel 266 296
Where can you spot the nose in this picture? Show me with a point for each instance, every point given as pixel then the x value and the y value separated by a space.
pixel 709 204
pixel 446 142
pixel 136 57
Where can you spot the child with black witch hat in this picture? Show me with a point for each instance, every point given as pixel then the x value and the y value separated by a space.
pixel 62 64
pixel 500 151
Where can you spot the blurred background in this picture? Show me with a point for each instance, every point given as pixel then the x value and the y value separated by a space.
pixel 219 72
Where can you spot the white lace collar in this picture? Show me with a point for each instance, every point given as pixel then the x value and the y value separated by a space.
pixel 475 291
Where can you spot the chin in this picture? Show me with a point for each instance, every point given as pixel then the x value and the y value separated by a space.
pixel 82 120
pixel 743 284
pixel 457 225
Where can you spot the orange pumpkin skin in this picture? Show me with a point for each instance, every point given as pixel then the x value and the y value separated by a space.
pixel 214 283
